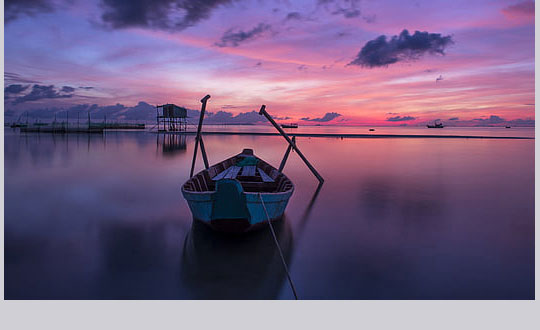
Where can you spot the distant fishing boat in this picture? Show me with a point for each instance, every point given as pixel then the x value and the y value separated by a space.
pixel 292 125
pixel 508 127
pixel 436 124
pixel 238 194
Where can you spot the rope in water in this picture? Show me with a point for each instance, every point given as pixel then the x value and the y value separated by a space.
pixel 279 249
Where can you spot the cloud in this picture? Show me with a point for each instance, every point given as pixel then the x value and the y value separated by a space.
pixel 293 16
pixel 329 116
pixel 382 52
pixel 524 9
pixel 233 38
pixel 15 8
pixel 454 118
pixel 14 77
pixel 493 119
pixel 39 92
pixel 522 122
pixel 67 89
pixel 399 118
pixel 158 14
pixel 15 89
pixel 280 118
pixel 347 8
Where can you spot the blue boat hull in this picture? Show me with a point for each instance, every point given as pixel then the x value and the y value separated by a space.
pixel 202 205
pixel 240 203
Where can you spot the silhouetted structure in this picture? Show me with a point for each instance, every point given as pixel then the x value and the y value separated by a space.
pixel 172 117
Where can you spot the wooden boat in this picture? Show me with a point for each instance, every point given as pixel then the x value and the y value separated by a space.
pixel 238 194
pixel 289 125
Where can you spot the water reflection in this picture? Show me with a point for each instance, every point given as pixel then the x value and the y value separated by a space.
pixel 218 266
pixel 171 145
pixel 102 217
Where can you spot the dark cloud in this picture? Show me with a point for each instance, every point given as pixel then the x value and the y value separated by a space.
pixel 294 16
pixel 280 118
pixel 302 67
pixel 454 118
pixel 67 89
pixel 15 8
pixel 347 12
pixel 399 118
pixel 233 38
pixel 493 119
pixel 39 92
pixel 329 116
pixel 15 89
pixel 347 8
pixel 382 52
pixel 86 87
pixel 158 14
pixel 528 122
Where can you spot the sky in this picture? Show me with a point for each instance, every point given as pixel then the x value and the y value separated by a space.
pixel 354 62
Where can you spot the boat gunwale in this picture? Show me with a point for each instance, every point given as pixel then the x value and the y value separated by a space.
pixel 210 192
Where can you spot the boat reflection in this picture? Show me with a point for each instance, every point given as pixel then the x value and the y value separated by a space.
pixel 219 266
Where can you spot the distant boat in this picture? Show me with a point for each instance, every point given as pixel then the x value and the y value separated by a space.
pixel 372 130
pixel 238 194
pixel 508 127
pixel 289 125
pixel 436 124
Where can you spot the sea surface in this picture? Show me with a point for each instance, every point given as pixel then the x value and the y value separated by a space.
pixel 103 217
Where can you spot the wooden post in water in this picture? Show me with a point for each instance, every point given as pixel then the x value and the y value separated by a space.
pixel 291 143
pixel 286 156
pixel 198 136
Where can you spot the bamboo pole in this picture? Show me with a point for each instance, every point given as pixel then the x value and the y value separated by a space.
pixel 201 117
pixel 286 156
pixel 291 143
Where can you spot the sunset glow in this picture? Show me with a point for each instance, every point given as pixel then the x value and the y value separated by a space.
pixel 297 57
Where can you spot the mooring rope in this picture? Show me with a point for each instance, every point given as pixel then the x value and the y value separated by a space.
pixel 279 248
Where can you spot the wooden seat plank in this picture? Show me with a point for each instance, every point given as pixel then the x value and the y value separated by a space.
pixel 233 172
pixel 265 177
pixel 249 170
pixel 222 174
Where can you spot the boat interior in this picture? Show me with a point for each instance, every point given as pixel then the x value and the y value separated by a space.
pixel 254 174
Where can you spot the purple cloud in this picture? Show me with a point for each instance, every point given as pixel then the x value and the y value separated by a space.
pixel 233 38
pixel 382 52
pixel 329 116
pixel 399 118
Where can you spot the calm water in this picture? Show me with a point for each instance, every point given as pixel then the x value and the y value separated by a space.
pixel 102 217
